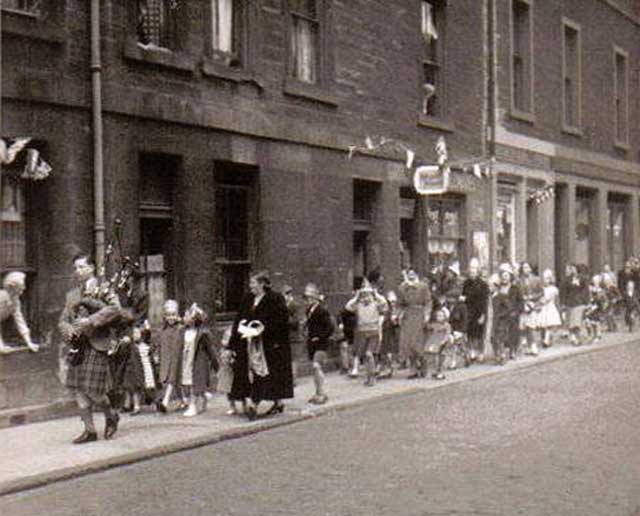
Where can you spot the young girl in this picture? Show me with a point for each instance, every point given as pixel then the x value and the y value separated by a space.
pixel 438 337
pixel 595 313
pixel 198 358
pixel 631 304
pixel 549 315
pixel 139 375
pixel 390 336
pixel 170 347
pixel 575 295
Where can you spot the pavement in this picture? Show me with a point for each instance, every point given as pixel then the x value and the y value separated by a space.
pixel 41 453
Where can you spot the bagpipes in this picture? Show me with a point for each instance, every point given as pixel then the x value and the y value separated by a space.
pixel 122 288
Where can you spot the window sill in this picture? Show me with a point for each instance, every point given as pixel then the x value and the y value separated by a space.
pixel 575 131
pixel 433 122
pixel 29 25
pixel 623 146
pixel 159 57
pixel 523 116
pixel 308 91
pixel 218 70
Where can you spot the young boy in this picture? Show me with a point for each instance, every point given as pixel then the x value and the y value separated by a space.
pixel 631 304
pixel 369 307
pixel 438 337
pixel 319 328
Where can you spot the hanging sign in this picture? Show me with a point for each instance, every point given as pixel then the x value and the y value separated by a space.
pixel 431 179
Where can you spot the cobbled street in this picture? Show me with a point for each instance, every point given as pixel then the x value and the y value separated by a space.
pixel 558 439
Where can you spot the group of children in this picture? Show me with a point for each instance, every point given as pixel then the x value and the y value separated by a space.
pixel 173 362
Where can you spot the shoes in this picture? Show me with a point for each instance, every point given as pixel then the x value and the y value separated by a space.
pixel 370 382
pixel 232 412
pixel 413 376
pixel 85 437
pixel 111 426
pixel 135 412
pixel 160 407
pixel 252 413
pixel 353 374
pixel 276 408
pixel 319 400
pixel 191 411
pixel 438 376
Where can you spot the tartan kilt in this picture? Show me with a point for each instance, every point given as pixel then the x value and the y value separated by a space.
pixel 92 376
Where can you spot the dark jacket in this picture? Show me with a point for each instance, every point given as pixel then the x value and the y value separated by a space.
pixel 319 328
pixel 278 384
pixel 459 317
pixel 476 293
pixel 205 359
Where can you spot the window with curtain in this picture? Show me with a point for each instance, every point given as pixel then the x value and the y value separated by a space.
pixel 522 56
pixel 12 226
pixel 571 71
pixel 305 27
pixel 227 26
pixel 432 29
pixel 157 22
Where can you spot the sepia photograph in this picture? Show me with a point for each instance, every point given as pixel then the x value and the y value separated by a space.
pixel 320 257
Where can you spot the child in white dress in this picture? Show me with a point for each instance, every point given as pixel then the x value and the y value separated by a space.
pixel 549 315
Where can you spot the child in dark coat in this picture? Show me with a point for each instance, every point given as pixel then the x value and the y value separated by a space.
pixel 139 379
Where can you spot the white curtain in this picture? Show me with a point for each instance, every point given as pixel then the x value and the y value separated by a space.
pixel 304 50
pixel 222 25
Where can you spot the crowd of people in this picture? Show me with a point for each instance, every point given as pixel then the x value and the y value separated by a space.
pixel 425 326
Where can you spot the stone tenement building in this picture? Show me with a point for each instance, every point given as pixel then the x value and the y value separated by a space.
pixel 225 129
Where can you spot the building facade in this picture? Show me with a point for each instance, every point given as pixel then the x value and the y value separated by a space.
pixel 226 126
pixel 565 116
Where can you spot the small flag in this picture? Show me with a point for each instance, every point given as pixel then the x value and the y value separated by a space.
pixel 477 170
pixel 441 150
pixel 410 157
pixel 368 142
pixel 9 153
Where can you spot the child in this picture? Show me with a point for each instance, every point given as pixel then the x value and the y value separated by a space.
pixel 459 320
pixel 139 374
pixel 631 304
pixel 390 335
pixel 198 358
pixel 169 345
pixel 369 306
pixel 596 309
pixel 319 328
pixel 548 315
pixel 438 337
pixel 225 371
pixel 347 327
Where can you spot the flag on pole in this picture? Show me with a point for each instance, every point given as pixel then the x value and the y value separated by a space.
pixel 8 152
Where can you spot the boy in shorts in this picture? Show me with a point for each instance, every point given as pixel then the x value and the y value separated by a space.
pixel 319 328
pixel 369 307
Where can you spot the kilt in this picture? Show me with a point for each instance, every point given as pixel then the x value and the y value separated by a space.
pixel 92 376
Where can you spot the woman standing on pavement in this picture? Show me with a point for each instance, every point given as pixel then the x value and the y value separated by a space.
pixel 476 293
pixel 270 310
pixel 574 297
pixel 507 307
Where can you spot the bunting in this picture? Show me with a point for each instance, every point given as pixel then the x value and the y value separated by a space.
pixel 35 168
pixel 543 194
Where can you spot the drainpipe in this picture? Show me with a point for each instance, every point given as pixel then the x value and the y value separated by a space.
pixel 98 166
pixel 492 103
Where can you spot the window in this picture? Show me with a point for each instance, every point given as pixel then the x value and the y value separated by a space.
pixel 432 29
pixel 27 6
pixel 506 225
pixel 305 32
pixel 445 229
pixel 621 97
pixel 227 27
pixel 157 22
pixel 234 232
pixel 12 226
pixel 616 230
pixel 585 220
pixel 571 71
pixel 521 57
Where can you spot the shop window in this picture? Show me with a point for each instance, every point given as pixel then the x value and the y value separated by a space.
pixel 432 23
pixel 522 56
pixel 365 201
pixel 157 23
pixel 305 40
pixel 616 231
pixel 228 24
pixel 506 226
pixel 445 230
pixel 621 97
pixel 585 205
pixel 236 221
pixel 571 66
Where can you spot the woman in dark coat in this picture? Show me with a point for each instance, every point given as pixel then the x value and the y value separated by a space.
pixel 269 308
pixel 507 307
pixel 476 294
